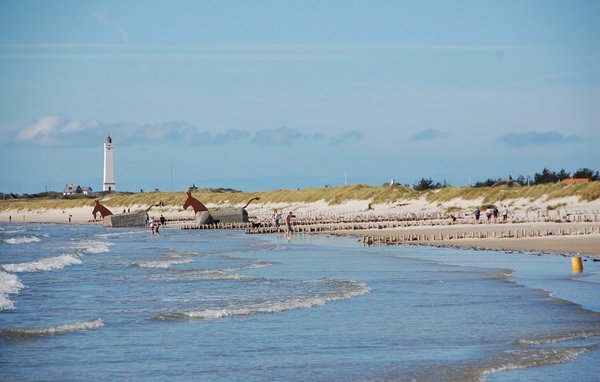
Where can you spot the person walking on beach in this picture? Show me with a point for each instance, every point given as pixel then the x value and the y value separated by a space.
pixel 505 213
pixel 278 218
pixel 274 219
pixel 477 213
pixel 288 224
pixel 488 213
pixel 151 225
pixel 163 221
pixel 495 213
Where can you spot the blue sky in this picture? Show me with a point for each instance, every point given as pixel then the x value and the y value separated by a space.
pixel 259 95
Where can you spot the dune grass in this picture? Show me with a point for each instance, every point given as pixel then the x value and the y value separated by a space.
pixel 334 195
pixel 585 191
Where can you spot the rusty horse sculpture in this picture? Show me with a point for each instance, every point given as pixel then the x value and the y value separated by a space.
pixel 195 203
pixel 224 215
pixel 99 208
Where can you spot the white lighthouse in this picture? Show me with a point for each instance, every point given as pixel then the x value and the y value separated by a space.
pixel 109 166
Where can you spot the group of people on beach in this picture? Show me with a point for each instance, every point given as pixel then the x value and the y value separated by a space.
pixel 155 225
pixel 276 221
pixel 492 212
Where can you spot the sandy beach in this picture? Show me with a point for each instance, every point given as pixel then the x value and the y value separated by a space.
pixel 583 237
pixel 583 244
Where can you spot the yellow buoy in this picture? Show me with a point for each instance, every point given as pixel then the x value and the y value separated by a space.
pixel 576 264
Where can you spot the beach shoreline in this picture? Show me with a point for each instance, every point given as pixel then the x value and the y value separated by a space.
pixel 581 237
pixel 569 246
pixel 575 244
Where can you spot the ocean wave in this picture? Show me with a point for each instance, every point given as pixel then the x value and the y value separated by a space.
pixel 91 246
pixel 160 264
pixel 47 264
pixel 352 289
pixel 9 284
pixel 22 334
pixel 255 265
pixel 120 234
pixel 558 338
pixel 215 274
pixel 22 240
pixel 6 231
pixel 519 359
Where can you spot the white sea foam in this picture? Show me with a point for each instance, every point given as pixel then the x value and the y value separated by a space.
pixel 120 234
pixel 9 284
pixel 558 338
pixel 161 264
pixel 47 264
pixel 217 274
pixel 91 246
pixel 353 289
pixel 513 360
pixel 24 333
pixel 256 265
pixel 22 240
pixel 11 231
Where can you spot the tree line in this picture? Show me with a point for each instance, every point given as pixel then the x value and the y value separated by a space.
pixel 543 177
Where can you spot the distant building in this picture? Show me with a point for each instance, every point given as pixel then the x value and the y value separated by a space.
pixel 75 189
pixel 72 189
pixel 87 191
pixel 4 196
pixel 576 180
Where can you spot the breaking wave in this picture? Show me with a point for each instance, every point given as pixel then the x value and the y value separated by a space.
pixel 352 289
pixel 212 274
pixel 91 246
pixel 558 338
pixel 504 361
pixel 47 264
pixel 518 359
pixel 22 334
pixel 9 284
pixel 22 240
pixel 161 264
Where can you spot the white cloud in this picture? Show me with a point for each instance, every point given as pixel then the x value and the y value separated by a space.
pixel 41 132
pixel 52 130
pixel 56 130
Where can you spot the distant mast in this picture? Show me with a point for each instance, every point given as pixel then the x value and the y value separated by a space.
pixel 109 166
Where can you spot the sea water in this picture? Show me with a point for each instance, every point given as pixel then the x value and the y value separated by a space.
pixel 85 303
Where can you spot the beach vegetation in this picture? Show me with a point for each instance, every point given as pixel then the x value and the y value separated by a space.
pixel 556 206
pixel 428 184
pixel 332 195
pixel 586 173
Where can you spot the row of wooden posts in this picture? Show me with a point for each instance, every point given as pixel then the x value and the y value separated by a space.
pixel 418 219
pixel 218 226
pixel 516 233
pixel 253 228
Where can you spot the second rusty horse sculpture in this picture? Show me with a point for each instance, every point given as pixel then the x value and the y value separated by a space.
pixel 216 215
pixel 126 219
pixel 99 208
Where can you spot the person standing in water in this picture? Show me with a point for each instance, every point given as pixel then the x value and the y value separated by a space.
pixel 151 225
pixel 288 224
